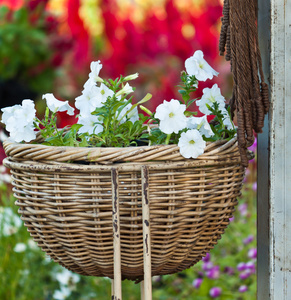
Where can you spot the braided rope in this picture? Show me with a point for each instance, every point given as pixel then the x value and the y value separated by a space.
pixel 239 43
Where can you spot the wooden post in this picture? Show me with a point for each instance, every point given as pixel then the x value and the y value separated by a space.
pixel 274 156
pixel 116 283
pixel 263 266
pixel 142 290
pixel 146 286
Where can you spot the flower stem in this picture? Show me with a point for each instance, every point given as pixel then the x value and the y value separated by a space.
pixel 168 139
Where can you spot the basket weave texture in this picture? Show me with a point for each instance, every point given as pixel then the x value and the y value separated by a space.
pixel 64 196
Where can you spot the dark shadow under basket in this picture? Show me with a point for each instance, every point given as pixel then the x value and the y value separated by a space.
pixel 64 196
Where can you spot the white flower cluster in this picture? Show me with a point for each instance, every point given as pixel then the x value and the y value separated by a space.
pixel 4 176
pixel 172 113
pixel 21 247
pixel 9 221
pixel 67 281
pixel 21 121
pixel 94 96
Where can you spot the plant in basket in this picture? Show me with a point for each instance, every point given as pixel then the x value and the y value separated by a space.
pixel 67 181
pixel 108 118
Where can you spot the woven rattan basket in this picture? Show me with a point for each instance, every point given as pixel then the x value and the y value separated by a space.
pixel 64 196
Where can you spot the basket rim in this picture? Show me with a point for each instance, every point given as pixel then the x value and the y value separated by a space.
pixel 109 155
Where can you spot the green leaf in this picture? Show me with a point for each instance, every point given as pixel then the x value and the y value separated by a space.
pixel 182 92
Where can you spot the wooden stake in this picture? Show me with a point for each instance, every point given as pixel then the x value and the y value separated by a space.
pixel 147 285
pixel 117 292
pixel 142 290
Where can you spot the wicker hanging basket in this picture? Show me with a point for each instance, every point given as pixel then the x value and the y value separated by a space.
pixel 64 196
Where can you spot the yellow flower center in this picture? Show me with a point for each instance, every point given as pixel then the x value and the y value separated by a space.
pixel 191 142
pixel 102 92
pixel 212 99
pixel 171 115
pixel 199 126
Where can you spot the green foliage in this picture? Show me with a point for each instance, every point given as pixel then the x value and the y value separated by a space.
pixel 24 275
pixel 25 49
pixel 118 129
pixel 59 137
pixel 189 84
pixel 219 129
pixel 120 125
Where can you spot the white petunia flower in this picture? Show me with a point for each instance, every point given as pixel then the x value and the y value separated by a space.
pixel 66 277
pixel 209 97
pixel 127 89
pixel 201 124
pixel 25 134
pixel 89 83
pixel 132 116
pixel 4 177
pixel 89 124
pixel 23 114
pixel 9 221
pixel 89 100
pixel 131 77
pixel 227 120
pixel 105 92
pixel 62 294
pixel 56 105
pixel 9 112
pixel 92 97
pixel 196 65
pixel 171 116
pixel 19 247
pixel 191 144
pixel 32 244
pixel 95 67
pixel 19 121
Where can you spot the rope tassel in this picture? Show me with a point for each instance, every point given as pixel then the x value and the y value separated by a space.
pixel 239 43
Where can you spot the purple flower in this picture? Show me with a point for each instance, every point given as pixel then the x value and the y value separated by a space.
pixel 243 209
pixel 206 258
pixel 241 267
pixel 243 288
pixel 207 266
pixel 248 240
pixel 252 253
pixel 200 274
pixel 197 282
pixel 245 274
pixel 231 219
pixel 228 270
pixel 251 266
pixel 215 292
pixel 213 273
pixel 254 187
pixel 253 147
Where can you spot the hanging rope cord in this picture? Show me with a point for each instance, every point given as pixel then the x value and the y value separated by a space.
pixel 239 43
